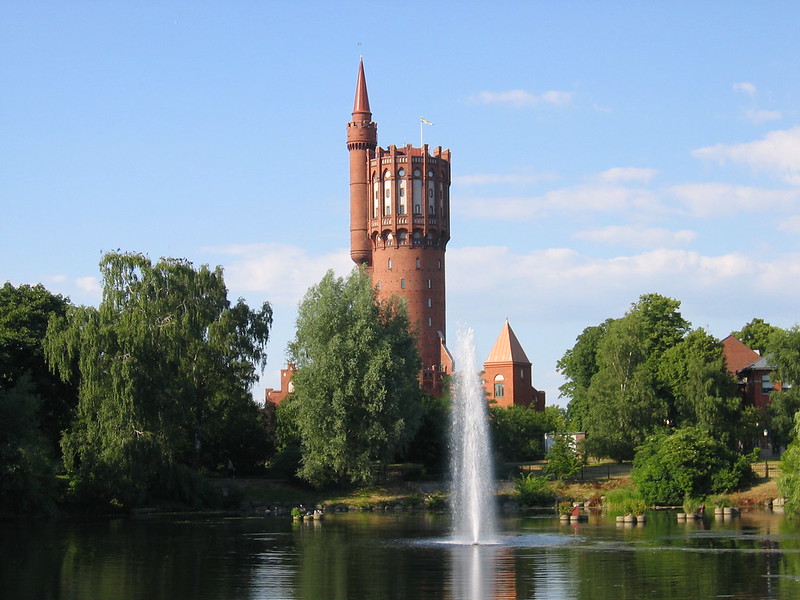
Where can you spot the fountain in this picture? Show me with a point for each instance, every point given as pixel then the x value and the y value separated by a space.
pixel 472 493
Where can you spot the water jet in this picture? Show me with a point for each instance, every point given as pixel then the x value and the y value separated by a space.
pixel 472 487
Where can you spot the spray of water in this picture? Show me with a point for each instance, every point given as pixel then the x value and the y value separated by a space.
pixel 472 493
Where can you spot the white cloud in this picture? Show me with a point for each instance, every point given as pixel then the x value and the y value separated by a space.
pixel 522 98
pixel 790 224
pixel 778 152
pixel 722 199
pixel 746 88
pixel 638 237
pixel 577 199
pixel 625 174
pixel 556 283
pixel 762 116
pixel 89 285
pixel 281 271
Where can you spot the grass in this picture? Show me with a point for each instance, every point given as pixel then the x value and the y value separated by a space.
pixel 598 479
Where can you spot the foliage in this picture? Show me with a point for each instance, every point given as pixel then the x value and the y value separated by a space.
pixel 163 365
pixel 356 389
pixel 24 314
pixel 27 477
pixel 756 335
pixel 784 354
pixel 789 480
pixel 687 463
pixel 703 392
pixel 429 446
pixel 517 432
pixel 563 461
pixel 621 402
pixel 534 491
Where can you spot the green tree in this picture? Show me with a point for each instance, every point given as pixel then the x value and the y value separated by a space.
pixel 624 408
pixel 356 388
pixel 616 395
pixel 563 461
pixel 578 366
pixel 162 363
pixel 429 446
pixel 24 314
pixel 755 335
pixel 688 463
pixel 518 432
pixel 27 476
pixel 703 393
pixel 789 480
pixel 784 354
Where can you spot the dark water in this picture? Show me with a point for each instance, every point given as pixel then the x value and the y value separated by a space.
pixel 367 556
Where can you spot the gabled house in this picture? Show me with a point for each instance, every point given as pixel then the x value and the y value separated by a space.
pixel 752 372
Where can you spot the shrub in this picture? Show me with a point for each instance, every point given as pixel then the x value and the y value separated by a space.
pixel 687 464
pixel 534 491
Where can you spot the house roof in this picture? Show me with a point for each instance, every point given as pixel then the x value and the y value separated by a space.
pixel 507 348
pixel 737 355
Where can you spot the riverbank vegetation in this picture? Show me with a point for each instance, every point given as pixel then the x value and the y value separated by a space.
pixel 146 400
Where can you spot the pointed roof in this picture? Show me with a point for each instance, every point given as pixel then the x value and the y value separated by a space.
pixel 507 348
pixel 738 355
pixel 361 103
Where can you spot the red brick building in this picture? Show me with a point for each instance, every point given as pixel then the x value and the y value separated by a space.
pixel 508 374
pixel 751 370
pixel 399 228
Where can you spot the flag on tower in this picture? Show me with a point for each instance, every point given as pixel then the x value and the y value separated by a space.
pixel 425 121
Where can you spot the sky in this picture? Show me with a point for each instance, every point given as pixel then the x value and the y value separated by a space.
pixel 600 151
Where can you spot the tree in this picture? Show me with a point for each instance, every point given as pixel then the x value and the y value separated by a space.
pixel 789 480
pixel 563 461
pixel 624 408
pixel 689 463
pixel 755 335
pixel 703 393
pixel 578 366
pixel 356 390
pixel 518 432
pixel 784 354
pixel 162 362
pixel 27 477
pixel 24 314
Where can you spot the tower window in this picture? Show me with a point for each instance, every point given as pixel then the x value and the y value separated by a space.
pixel 430 284
pixel 402 284
pixel 440 264
pixel 499 386
pixel 430 322
pixel 430 303
pixel 389 264
pixel 418 262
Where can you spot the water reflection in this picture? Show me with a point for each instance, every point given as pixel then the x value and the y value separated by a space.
pixel 368 557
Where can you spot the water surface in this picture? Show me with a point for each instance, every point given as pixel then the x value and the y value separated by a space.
pixel 368 556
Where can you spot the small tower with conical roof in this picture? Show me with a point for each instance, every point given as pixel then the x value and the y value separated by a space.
pixel 399 228
pixel 508 374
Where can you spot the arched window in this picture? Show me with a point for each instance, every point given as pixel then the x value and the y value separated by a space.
pixel 499 386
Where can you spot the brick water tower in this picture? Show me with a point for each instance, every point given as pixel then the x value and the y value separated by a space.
pixel 399 228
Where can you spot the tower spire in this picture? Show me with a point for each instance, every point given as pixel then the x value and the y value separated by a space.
pixel 361 103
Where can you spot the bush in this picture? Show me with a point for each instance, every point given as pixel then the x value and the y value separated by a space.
pixel 687 464
pixel 534 491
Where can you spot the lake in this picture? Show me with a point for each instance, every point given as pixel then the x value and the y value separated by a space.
pixel 368 556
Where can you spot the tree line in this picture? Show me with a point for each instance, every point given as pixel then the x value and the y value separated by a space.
pixel 135 400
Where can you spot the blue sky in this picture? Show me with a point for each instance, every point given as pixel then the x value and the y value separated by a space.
pixel 600 151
